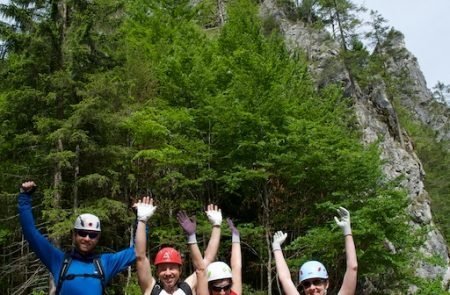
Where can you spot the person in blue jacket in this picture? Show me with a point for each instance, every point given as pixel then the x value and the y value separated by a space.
pixel 79 271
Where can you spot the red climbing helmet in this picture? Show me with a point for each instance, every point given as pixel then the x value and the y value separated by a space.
pixel 168 255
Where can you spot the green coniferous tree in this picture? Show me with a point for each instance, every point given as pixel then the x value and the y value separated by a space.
pixel 137 98
pixel 60 96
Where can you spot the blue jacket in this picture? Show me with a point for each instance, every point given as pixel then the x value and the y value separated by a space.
pixel 53 258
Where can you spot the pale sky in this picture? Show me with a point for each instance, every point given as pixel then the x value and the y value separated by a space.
pixel 426 26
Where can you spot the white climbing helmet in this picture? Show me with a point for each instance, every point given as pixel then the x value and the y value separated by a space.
pixel 312 269
pixel 218 270
pixel 87 222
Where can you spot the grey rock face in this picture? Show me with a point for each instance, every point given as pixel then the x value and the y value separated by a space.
pixel 416 97
pixel 378 121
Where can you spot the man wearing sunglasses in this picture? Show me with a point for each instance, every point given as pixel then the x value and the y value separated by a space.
pixel 79 271
pixel 313 277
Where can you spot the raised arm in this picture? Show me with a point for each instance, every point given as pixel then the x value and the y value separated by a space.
pixel 350 278
pixel 145 210
pixel 49 255
pixel 202 282
pixel 284 275
pixel 236 258
pixel 198 280
pixel 214 215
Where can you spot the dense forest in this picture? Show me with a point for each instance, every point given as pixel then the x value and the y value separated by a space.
pixel 106 101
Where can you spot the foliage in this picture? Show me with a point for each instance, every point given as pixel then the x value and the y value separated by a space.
pixel 441 92
pixel 137 99
pixel 430 288
pixel 133 288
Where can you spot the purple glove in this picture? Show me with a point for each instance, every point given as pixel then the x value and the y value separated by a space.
pixel 188 226
pixel 235 237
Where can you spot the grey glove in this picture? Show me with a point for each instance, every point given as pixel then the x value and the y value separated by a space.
pixel 214 215
pixel 145 209
pixel 278 238
pixel 344 222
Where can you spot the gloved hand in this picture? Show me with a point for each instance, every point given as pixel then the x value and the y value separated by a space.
pixel 278 238
pixel 189 226
pixel 28 187
pixel 235 236
pixel 214 215
pixel 344 223
pixel 145 209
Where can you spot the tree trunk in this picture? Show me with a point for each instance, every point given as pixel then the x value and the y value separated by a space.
pixel 269 264
pixel 354 89
pixel 129 269
pixel 266 220
pixel 61 18
pixel 340 27
pixel 221 12
pixel 75 177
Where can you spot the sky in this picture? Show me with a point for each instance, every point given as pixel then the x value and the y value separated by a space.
pixel 426 26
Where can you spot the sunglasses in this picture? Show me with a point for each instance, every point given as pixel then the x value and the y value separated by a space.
pixel 220 288
pixel 315 282
pixel 83 234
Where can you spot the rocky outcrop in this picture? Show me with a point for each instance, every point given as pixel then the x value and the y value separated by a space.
pixel 416 97
pixel 378 121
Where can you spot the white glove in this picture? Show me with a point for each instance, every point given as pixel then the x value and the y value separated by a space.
pixel 214 215
pixel 344 223
pixel 278 238
pixel 145 209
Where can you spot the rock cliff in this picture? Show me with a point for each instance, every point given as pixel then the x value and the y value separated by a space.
pixel 378 121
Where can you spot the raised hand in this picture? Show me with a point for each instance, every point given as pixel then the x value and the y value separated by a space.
pixel 235 237
pixel 189 226
pixel 233 229
pixel 278 238
pixel 214 215
pixel 344 222
pixel 145 208
pixel 28 187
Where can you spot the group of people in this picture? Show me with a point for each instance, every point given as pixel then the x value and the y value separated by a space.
pixel 81 271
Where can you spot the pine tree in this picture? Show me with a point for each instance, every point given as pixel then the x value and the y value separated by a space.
pixel 63 123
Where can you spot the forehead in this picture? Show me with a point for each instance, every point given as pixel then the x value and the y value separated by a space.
pixel 221 282
pixel 167 266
